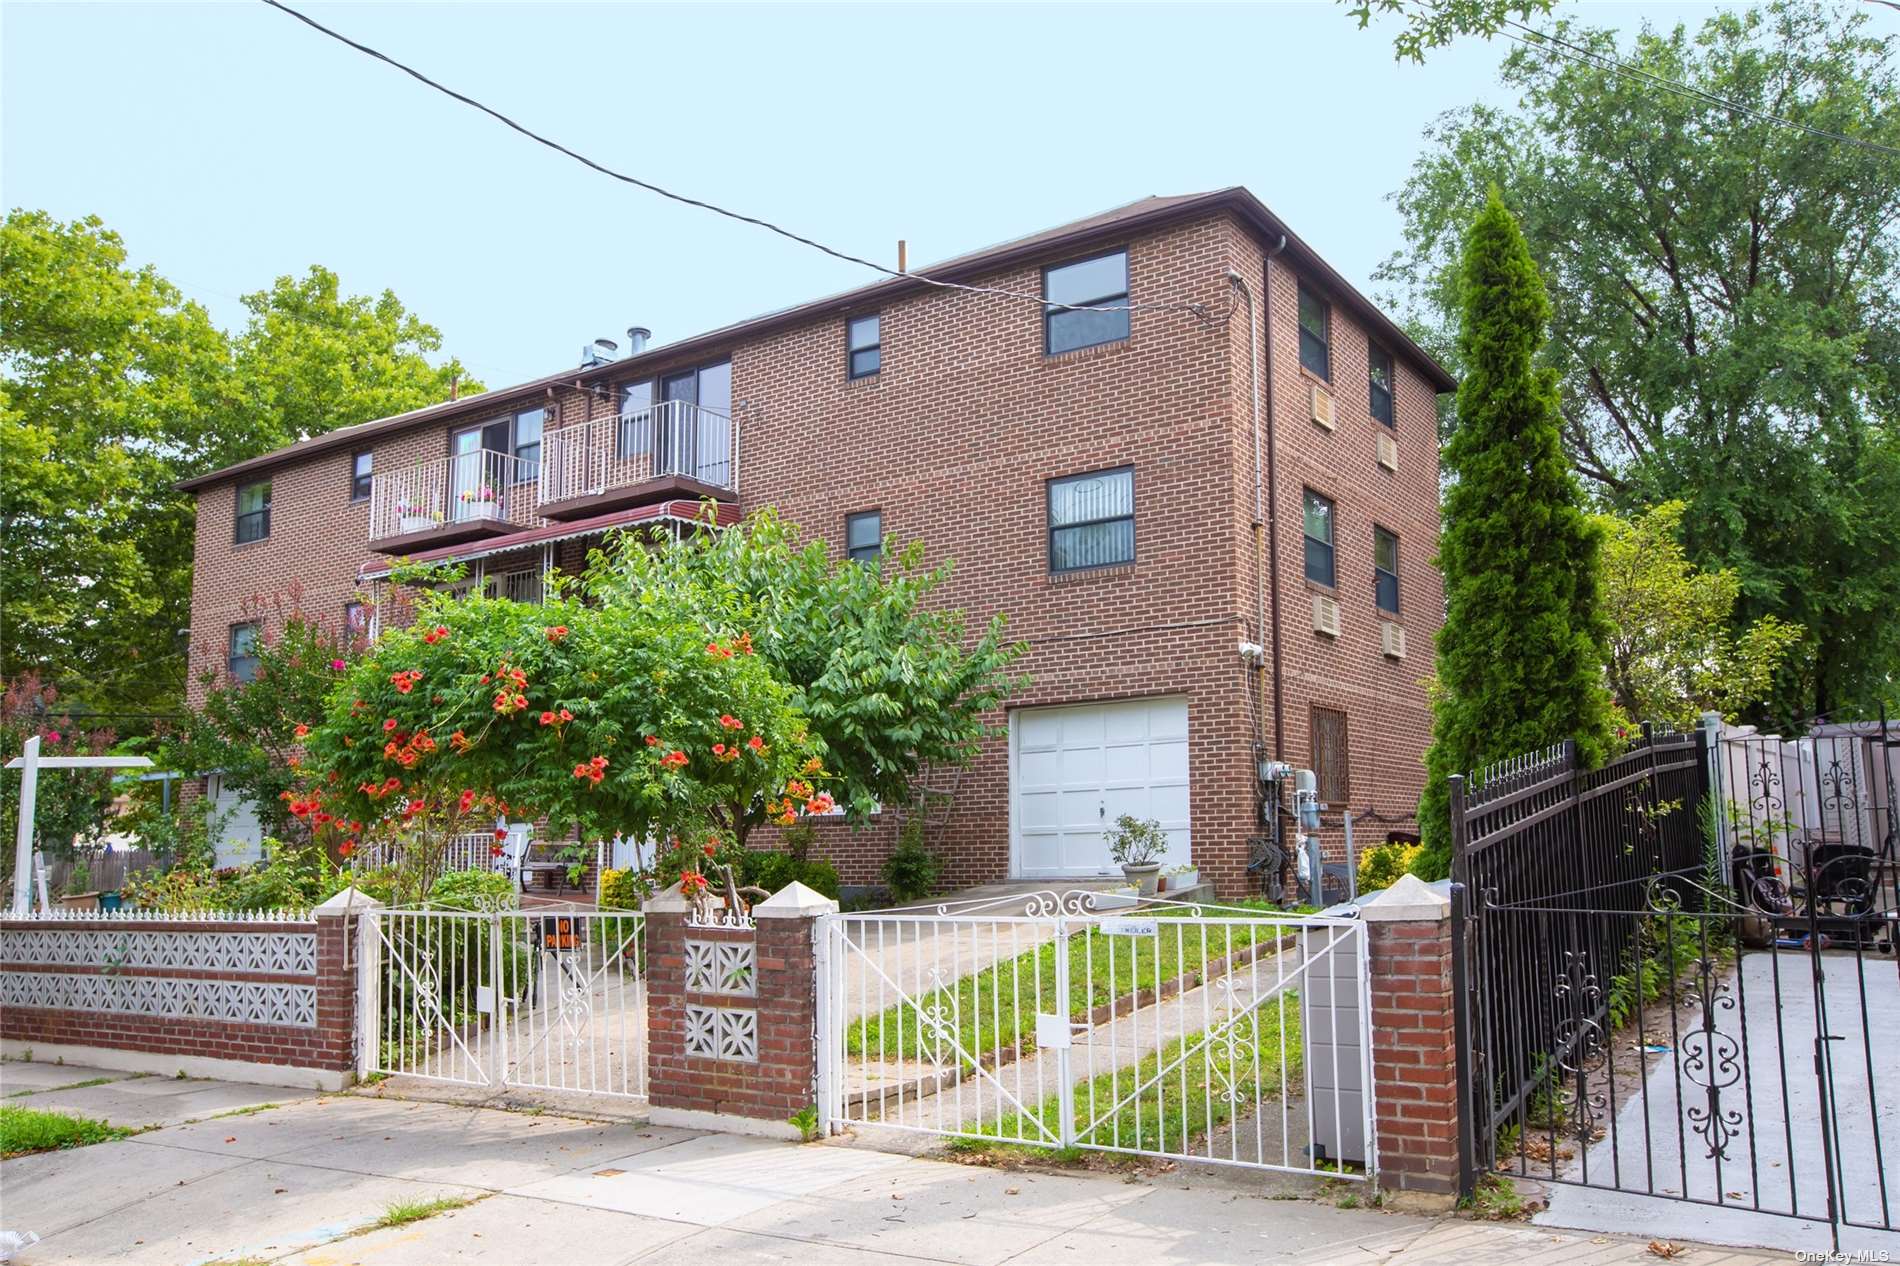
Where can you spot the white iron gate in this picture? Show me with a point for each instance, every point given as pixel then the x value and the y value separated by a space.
pixel 1226 1035
pixel 547 999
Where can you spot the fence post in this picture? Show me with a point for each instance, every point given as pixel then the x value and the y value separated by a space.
pixel 1416 1091
pixel 369 971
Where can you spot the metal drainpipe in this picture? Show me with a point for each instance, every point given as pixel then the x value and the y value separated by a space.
pixel 1273 513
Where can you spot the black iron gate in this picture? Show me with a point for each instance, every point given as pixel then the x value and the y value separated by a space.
pixel 1680 970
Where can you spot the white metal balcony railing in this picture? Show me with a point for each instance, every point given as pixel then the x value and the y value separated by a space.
pixel 673 437
pixel 459 489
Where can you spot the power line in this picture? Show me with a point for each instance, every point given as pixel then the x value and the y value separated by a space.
pixel 1682 89
pixel 1198 310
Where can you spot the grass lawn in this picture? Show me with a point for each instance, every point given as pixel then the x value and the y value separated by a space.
pixel 996 1007
pixel 24 1131
pixel 1174 1098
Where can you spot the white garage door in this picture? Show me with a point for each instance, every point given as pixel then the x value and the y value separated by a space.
pixel 1074 770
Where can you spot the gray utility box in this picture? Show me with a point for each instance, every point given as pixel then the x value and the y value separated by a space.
pixel 1333 1029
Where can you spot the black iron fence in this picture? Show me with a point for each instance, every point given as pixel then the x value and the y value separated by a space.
pixel 1541 830
pixel 1678 975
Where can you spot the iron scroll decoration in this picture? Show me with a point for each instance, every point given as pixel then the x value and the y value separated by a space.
pixel 1581 1046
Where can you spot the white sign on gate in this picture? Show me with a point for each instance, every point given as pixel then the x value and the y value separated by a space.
pixel 1129 927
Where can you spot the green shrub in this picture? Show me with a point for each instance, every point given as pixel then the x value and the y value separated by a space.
pixel 1381 865
pixel 772 871
pixel 620 889
pixel 910 872
pixel 472 889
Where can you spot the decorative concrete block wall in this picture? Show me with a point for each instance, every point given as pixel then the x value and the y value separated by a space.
pixel 248 998
pixel 732 1013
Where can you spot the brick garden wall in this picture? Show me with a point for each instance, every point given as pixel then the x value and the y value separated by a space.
pixel 1414 1055
pixel 954 442
pixel 271 993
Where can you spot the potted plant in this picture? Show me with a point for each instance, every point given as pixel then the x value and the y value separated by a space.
pixel 80 894
pixel 1119 898
pixel 1181 878
pixel 1137 843
pixel 413 516
pixel 481 502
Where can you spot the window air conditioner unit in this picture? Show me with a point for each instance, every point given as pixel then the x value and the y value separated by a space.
pixel 1391 639
pixel 1322 406
pixel 1388 451
pixel 1325 615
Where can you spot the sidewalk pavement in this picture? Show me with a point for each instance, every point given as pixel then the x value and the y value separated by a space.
pixel 304 1184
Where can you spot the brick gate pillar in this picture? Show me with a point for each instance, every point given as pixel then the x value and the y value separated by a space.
pixel 1414 1064
pixel 732 1014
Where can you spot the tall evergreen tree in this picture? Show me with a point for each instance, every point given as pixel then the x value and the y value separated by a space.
pixel 1520 659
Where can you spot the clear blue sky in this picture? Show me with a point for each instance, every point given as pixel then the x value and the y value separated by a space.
pixel 229 144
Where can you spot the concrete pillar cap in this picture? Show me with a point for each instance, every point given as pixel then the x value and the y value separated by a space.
pixel 1410 900
pixel 351 900
pixel 667 901
pixel 795 901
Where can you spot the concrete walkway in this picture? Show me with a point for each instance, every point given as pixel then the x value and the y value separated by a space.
pixel 134 1100
pixel 303 1185
pixel 1770 1101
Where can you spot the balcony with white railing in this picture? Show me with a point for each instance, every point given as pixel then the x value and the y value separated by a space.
pixel 653 453
pixel 451 500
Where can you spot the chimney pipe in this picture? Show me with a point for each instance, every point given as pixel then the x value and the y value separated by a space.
pixel 902 255
pixel 637 336
pixel 455 385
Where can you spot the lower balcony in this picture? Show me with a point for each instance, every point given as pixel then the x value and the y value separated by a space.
pixel 450 501
pixel 669 451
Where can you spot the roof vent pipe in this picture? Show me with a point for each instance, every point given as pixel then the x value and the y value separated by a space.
pixel 637 336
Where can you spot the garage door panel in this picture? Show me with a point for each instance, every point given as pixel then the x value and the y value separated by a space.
pixel 1079 768
pixel 1038 731
pixel 1039 769
pixel 1080 765
pixel 1168 761
pixel 1082 727
pixel 1168 805
pixel 1040 810
pixel 1167 718
pixel 1126 765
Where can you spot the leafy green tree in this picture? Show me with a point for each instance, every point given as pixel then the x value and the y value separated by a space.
pixel 312 359
pixel 1674 652
pixel 109 390
pixel 113 387
pixel 252 731
pixel 894 688
pixel 1439 22
pixel 68 804
pixel 1521 653
pixel 1726 303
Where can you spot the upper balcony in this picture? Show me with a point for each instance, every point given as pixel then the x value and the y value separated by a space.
pixel 451 500
pixel 673 449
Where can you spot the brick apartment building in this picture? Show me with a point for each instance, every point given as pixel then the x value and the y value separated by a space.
pixel 1092 474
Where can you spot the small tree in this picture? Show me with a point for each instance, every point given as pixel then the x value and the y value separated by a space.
pixel 1520 657
pixel 628 718
pixel 249 730
pixel 69 804
pixel 1674 649
pixel 891 686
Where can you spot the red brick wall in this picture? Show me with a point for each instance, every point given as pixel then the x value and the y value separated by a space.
pixel 328 1045
pixel 955 440
pixel 1414 1063
pixel 782 1081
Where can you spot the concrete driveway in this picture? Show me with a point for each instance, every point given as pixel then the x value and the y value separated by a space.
pixel 304 1183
